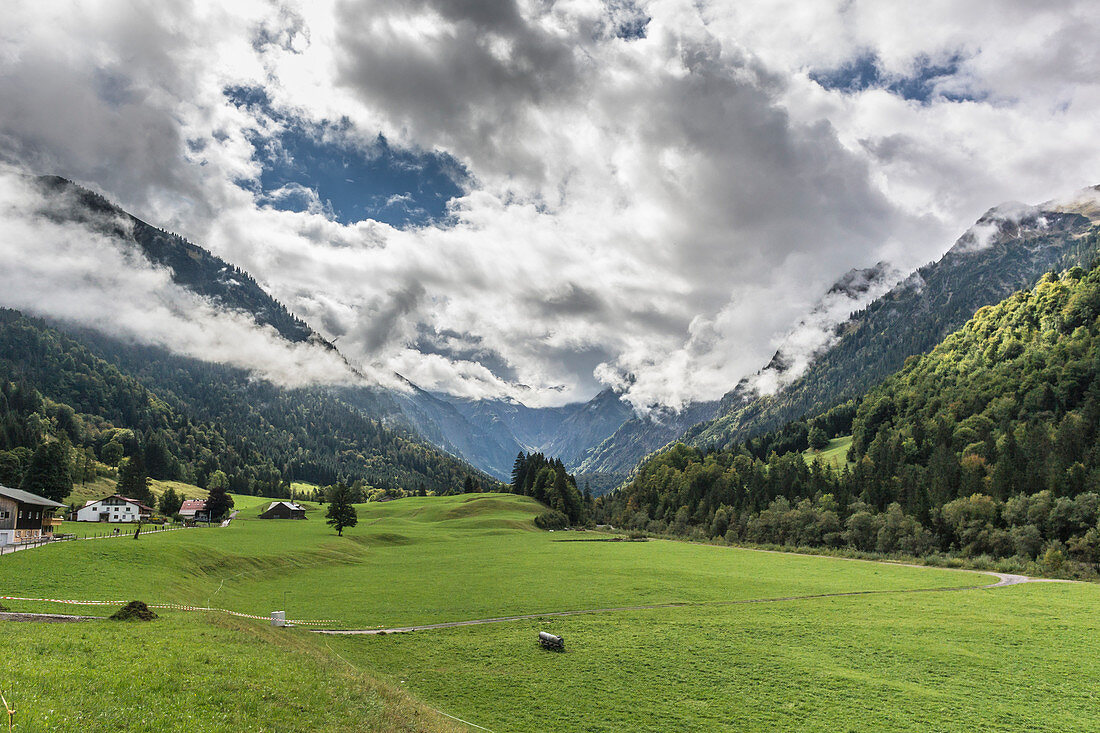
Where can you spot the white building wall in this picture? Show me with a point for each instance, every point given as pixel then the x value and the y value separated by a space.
pixel 116 511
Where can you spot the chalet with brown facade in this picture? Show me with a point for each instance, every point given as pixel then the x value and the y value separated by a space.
pixel 25 517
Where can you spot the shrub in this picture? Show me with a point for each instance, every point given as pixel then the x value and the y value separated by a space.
pixel 1053 559
pixel 552 519
pixel 134 611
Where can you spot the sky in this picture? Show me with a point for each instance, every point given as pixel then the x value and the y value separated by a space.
pixel 533 199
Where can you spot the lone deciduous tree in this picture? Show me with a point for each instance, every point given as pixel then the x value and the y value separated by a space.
pixel 341 513
pixel 218 503
pixel 170 502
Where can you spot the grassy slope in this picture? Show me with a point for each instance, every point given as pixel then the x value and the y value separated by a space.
pixel 835 454
pixel 105 486
pixel 960 660
pixel 193 673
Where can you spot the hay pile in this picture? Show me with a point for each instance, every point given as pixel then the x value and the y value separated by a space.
pixel 134 611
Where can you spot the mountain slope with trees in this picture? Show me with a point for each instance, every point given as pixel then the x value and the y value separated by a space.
pixel 987 446
pixel 191 266
pixel 999 255
pixel 486 433
pixel 190 419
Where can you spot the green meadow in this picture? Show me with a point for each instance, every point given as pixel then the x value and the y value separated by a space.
pixel 1021 657
pixel 835 454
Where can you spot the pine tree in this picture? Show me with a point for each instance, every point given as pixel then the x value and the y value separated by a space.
pixel 519 473
pixel 133 483
pixel 158 461
pixel 48 473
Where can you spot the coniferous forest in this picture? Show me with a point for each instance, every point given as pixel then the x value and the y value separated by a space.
pixel 546 481
pixel 78 401
pixel 987 447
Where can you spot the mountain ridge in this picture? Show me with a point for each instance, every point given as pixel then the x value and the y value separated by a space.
pixel 912 317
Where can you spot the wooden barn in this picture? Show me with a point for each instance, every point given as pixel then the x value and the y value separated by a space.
pixel 25 517
pixel 284 510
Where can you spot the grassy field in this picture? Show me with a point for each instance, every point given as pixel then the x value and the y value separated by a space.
pixel 193 673
pixel 424 560
pixel 1009 659
pixel 835 454
pixel 993 659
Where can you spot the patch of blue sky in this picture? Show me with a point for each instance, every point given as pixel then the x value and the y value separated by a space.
pixel 323 168
pixel 627 20
pixel 929 82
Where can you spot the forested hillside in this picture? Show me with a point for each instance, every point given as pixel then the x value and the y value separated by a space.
pixel 198 418
pixel 914 317
pixel 988 445
pixel 640 435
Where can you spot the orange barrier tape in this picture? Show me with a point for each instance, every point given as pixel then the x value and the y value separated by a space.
pixel 170 606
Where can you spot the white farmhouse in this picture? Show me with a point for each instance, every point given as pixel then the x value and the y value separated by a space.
pixel 114 508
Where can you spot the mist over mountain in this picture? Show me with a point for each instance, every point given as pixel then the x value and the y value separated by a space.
pixel 861 328
pixel 191 266
pixel 72 256
pixel 1007 249
pixel 814 334
pixel 199 290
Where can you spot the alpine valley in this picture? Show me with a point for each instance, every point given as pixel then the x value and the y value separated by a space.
pixel 893 316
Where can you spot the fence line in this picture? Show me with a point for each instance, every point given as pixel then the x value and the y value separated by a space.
pixel 155 530
pixel 47 539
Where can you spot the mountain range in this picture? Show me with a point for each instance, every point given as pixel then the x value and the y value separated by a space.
pixel 863 329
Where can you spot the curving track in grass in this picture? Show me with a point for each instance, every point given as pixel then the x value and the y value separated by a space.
pixel 1003 580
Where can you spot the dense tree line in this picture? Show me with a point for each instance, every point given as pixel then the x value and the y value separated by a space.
pixel 989 445
pixel 546 481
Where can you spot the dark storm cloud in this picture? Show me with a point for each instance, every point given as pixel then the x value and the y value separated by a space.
pixel 570 300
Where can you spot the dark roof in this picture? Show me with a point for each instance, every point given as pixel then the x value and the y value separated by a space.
pixel 289 504
pixel 25 497
pixel 120 496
